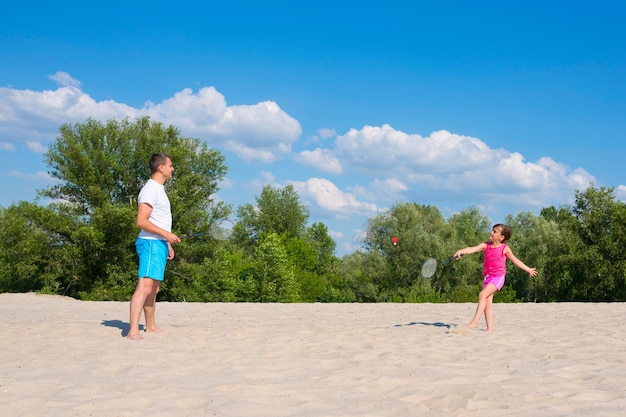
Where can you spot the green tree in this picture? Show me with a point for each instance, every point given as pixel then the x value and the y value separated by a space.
pixel 272 272
pixel 277 210
pixel 324 247
pixel 214 279
pixel 99 164
pixel 309 251
pixel 25 248
pixel 536 241
pixel 460 280
pixel 590 262
pixel 101 168
pixel 601 225
pixel 421 232
pixel 360 272
pixel 558 277
pixel 470 227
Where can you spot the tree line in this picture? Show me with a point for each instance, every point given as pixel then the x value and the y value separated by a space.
pixel 80 243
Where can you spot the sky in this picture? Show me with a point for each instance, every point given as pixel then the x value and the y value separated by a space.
pixel 504 106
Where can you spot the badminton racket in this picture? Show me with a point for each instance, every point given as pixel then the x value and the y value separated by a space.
pixel 429 267
pixel 221 229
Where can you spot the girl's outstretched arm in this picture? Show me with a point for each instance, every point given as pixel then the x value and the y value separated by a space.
pixel 521 265
pixel 470 249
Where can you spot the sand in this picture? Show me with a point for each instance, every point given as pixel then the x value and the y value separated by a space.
pixel 63 357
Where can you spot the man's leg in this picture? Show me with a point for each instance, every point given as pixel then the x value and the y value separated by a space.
pixel 143 290
pixel 149 308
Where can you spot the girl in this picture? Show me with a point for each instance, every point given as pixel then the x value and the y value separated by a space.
pixel 494 270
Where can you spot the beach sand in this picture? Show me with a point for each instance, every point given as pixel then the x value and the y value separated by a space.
pixel 64 357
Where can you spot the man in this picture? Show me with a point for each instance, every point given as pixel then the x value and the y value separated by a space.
pixel 154 244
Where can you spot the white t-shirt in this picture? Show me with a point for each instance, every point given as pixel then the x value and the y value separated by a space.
pixel 153 193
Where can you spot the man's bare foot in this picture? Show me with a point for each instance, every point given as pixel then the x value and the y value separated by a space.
pixel 134 336
pixel 472 326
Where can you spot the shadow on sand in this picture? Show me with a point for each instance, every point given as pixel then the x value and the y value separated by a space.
pixel 423 323
pixel 119 324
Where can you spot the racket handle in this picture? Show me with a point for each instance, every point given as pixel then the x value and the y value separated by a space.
pixel 190 235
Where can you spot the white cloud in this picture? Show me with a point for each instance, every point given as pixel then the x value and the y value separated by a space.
pixel 329 197
pixel 248 153
pixel 64 79
pixel 336 234
pixel 323 134
pixel 445 166
pixel 326 133
pixel 27 115
pixel 261 131
pixel 253 132
pixel 7 146
pixel 386 150
pixel 37 177
pixel 620 192
pixel 389 189
pixel 268 177
pixel 322 159
pixel 226 184
pixel 36 147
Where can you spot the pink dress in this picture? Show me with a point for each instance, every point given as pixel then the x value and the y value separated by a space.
pixel 494 266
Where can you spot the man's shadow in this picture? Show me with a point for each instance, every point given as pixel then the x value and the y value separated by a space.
pixel 119 324
pixel 423 323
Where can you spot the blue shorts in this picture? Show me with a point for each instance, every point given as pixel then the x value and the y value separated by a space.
pixel 495 280
pixel 152 258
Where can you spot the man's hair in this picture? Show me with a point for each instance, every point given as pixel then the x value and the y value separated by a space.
pixel 504 230
pixel 156 160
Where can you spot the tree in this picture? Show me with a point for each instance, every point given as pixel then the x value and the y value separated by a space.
pixel 309 251
pixel 100 163
pixel 470 227
pixel 459 280
pixel 601 225
pixel 272 272
pixel 590 264
pixel 25 248
pixel 537 241
pixel 101 168
pixel 421 231
pixel 360 272
pixel 277 210
pixel 324 248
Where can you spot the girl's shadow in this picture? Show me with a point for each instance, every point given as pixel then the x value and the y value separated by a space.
pixel 422 323
pixel 119 324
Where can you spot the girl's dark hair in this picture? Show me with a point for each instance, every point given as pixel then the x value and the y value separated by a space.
pixel 504 230
pixel 156 160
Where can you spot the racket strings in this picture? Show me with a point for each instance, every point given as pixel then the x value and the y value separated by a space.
pixel 222 229
pixel 429 267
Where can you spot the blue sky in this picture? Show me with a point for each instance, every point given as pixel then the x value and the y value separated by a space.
pixel 359 105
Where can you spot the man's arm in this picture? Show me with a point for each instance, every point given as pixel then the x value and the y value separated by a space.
pixel 143 222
